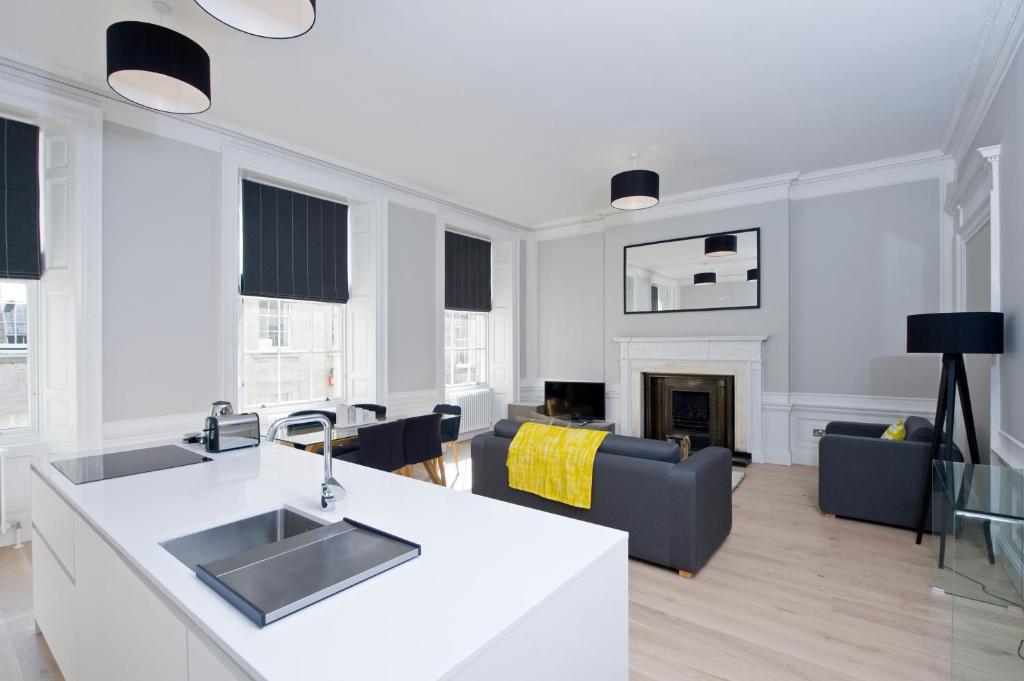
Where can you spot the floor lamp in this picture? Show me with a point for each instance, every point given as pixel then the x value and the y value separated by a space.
pixel 953 334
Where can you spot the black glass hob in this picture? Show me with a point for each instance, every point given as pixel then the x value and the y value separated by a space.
pixel 119 464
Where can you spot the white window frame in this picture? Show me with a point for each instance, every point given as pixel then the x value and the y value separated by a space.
pixel 485 348
pixel 339 379
pixel 29 433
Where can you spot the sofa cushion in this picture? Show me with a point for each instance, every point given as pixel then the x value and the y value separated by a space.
pixel 621 445
pixel 918 429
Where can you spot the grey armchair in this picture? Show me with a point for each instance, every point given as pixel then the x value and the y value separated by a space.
pixel 864 477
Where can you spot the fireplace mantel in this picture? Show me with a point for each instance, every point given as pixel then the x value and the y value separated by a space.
pixel 737 356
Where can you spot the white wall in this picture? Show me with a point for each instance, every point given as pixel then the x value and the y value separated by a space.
pixel 772 319
pixel 1004 125
pixel 413 350
pixel 860 262
pixel 570 308
pixel 161 263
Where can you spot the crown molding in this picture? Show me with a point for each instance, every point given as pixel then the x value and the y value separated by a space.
pixel 793 186
pixel 997 45
pixel 208 132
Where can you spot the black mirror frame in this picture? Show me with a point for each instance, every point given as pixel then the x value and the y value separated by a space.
pixel 760 272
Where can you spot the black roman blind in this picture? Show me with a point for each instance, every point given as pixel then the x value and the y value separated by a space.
pixel 20 255
pixel 293 245
pixel 467 273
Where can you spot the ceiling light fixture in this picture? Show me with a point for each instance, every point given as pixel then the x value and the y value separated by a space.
pixel 720 245
pixel 158 68
pixel 704 278
pixel 635 189
pixel 264 18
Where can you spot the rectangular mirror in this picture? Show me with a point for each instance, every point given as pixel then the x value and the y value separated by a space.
pixel 706 272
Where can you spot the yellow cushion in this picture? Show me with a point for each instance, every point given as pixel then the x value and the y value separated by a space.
pixel 896 431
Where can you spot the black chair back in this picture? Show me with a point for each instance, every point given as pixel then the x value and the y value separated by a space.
pixel 381 446
pixel 422 438
pixel 333 416
pixel 449 427
pixel 380 410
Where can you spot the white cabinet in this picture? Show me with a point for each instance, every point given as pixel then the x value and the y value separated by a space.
pixel 53 597
pixel 207 662
pixel 125 631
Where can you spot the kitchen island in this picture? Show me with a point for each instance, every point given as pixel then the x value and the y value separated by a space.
pixel 499 591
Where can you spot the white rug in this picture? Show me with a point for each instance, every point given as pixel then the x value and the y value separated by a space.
pixel 737 478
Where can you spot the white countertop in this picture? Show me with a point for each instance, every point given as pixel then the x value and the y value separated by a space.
pixel 485 564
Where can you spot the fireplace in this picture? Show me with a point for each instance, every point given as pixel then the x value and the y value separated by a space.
pixel 700 407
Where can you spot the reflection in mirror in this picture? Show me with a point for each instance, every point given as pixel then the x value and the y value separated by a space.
pixel 708 272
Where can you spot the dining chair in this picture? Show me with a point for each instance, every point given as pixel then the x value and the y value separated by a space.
pixel 382 446
pixel 380 410
pixel 422 444
pixel 450 429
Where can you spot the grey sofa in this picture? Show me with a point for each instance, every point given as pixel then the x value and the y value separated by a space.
pixel 864 477
pixel 677 513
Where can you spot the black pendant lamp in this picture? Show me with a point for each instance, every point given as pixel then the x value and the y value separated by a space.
pixel 704 278
pixel 635 189
pixel 720 245
pixel 158 68
pixel 264 18
pixel 753 274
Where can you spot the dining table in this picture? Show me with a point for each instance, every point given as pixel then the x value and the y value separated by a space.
pixel 345 432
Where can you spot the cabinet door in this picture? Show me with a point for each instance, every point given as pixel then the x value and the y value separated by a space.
pixel 207 662
pixel 53 597
pixel 125 631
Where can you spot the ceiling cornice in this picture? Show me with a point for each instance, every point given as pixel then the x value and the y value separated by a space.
pixel 212 134
pixel 997 45
pixel 793 186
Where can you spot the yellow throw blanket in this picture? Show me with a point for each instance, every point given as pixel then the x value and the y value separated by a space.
pixel 554 462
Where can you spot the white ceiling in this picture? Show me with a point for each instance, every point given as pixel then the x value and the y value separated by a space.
pixel 525 109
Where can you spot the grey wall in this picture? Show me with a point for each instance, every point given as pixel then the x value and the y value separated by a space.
pixel 859 264
pixel 1004 125
pixel 570 308
pixel 413 351
pixel 160 314
pixel 771 320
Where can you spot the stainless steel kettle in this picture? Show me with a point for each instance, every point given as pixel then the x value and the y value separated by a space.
pixel 221 408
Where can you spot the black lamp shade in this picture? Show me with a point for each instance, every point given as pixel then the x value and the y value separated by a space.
pixel 264 18
pixel 635 189
pixel 720 245
pixel 158 68
pixel 704 278
pixel 956 332
pixel 753 274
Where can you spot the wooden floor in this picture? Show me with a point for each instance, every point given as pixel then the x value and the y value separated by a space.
pixel 791 595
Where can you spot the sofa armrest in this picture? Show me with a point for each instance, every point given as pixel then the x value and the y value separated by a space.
pixel 874 430
pixel 702 491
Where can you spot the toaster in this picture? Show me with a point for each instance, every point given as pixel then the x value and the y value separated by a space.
pixel 231 431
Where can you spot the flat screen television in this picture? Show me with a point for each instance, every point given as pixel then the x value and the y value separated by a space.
pixel 574 399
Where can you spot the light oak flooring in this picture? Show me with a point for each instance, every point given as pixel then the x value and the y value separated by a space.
pixel 791 595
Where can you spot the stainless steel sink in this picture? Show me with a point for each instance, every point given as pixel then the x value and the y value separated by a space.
pixel 230 539
pixel 273 564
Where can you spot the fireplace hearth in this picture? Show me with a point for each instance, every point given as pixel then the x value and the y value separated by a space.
pixel 698 407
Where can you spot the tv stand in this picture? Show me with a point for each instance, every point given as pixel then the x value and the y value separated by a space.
pixel 523 412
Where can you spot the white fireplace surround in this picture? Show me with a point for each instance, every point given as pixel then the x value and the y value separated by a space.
pixel 736 356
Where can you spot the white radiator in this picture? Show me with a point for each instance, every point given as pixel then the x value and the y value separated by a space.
pixel 476 408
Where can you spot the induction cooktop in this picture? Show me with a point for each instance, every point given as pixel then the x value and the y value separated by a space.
pixel 119 464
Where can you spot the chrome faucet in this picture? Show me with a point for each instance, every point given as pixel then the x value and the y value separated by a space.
pixel 329 484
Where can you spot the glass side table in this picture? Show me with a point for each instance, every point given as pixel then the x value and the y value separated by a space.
pixel 979 522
